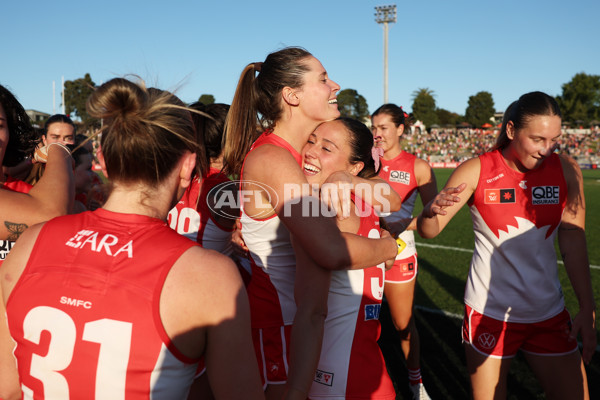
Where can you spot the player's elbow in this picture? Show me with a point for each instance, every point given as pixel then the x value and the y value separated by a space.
pixel 425 231
pixel 311 312
pixel 395 203
pixel 10 393
pixel 337 260
pixel 426 235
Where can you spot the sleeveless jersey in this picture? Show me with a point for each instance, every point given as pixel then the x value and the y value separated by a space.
pixel 271 289
pixel 351 365
pixel 399 172
pixel 14 185
pixel 513 275
pixel 85 311
pixel 192 217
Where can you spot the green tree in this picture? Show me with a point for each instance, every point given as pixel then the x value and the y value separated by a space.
pixel 76 94
pixel 352 104
pixel 480 109
pixel 580 98
pixel 446 117
pixel 207 99
pixel 423 106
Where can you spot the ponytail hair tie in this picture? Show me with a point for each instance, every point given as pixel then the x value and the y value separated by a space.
pixel 376 153
pixel 404 113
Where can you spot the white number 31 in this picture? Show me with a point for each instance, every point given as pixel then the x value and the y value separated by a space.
pixel 113 336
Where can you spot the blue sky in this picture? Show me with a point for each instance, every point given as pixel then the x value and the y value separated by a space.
pixel 455 48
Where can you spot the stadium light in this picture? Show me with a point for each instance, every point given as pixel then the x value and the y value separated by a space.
pixel 385 15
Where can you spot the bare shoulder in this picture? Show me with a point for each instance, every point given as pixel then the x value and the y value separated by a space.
pixel 468 172
pixel 205 267
pixel 15 262
pixel 274 154
pixel 274 167
pixel 202 290
pixel 423 170
pixel 421 164
pixel 202 276
pixel 471 163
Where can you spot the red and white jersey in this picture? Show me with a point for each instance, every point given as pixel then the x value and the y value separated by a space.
pixel 271 289
pixel 192 217
pixel 351 365
pixel 399 172
pixel 14 185
pixel 513 275
pixel 85 311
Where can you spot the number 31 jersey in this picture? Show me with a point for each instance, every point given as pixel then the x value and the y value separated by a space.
pixel 85 312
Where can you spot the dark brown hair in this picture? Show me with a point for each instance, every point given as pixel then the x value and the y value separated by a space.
pixel 210 127
pixel 399 117
pixel 361 145
pixel 59 118
pixel 520 112
pixel 22 136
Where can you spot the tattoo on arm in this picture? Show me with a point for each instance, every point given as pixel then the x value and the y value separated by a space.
pixel 14 230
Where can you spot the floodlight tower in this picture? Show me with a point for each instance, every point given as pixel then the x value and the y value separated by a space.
pixel 384 15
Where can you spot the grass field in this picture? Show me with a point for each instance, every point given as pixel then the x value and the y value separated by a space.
pixel 443 268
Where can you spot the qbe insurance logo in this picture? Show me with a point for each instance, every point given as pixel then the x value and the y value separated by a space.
pixel 400 177
pixel 545 195
pixel 226 199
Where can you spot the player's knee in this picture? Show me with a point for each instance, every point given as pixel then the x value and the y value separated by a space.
pixel 403 326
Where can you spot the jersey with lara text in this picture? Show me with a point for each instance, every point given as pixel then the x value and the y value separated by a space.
pixel 351 365
pixel 513 275
pixel 85 312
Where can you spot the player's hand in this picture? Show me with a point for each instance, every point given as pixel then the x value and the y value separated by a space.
pixel 239 246
pixel 40 154
pixel 390 261
pixel 447 197
pixel 584 324
pixel 335 192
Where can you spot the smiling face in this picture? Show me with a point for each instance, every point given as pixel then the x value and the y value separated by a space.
pixel 59 132
pixel 530 145
pixel 326 152
pixel 386 134
pixel 317 96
